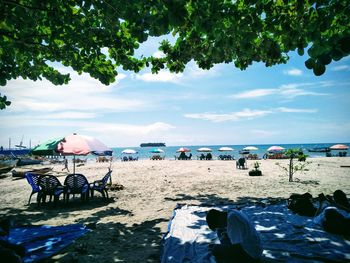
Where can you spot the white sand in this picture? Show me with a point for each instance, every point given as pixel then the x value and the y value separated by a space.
pixel 130 226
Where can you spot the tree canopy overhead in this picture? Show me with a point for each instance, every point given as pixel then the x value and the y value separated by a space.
pixel 74 33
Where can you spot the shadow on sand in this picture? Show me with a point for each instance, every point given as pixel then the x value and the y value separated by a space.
pixel 120 242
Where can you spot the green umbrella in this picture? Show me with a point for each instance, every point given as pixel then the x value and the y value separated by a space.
pixel 47 148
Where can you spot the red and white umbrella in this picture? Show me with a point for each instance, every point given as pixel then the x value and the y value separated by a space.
pixel 339 147
pixel 81 145
pixel 183 149
pixel 275 149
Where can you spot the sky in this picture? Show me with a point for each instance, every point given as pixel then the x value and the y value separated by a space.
pixel 222 106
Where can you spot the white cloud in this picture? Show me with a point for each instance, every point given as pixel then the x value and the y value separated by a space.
pixel 67 115
pixel 254 93
pixel 192 71
pixel 293 72
pixel 291 110
pixel 341 68
pixel 120 76
pixel 244 114
pixel 233 116
pixel 158 54
pixel 82 94
pixel 162 76
pixel 289 91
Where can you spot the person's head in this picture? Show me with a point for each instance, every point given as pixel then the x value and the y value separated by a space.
pixel 340 197
pixel 216 219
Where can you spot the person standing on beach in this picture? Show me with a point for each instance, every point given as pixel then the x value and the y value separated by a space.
pixel 239 240
pixel 65 162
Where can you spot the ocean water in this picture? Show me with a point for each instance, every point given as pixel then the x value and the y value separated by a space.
pixel 170 151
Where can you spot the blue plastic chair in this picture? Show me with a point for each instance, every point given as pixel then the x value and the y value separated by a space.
pixel 100 185
pixel 33 179
pixel 49 186
pixel 77 184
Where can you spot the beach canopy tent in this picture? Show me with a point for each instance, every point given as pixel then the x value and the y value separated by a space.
pixel 47 148
pixel 339 147
pixel 225 149
pixel 75 144
pixel 250 148
pixel 204 149
pixel 156 150
pixel 129 151
pixel 183 149
pixel 275 149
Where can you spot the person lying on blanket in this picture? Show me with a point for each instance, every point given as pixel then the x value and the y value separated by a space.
pixel 334 213
pixel 9 253
pixel 239 240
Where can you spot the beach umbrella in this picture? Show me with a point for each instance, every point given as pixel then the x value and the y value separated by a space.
pixel 275 149
pixel 183 149
pixel 47 148
pixel 204 149
pixel 339 147
pixel 250 148
pixel 156 150
pixel 129 151
pixel 225 149
pixel 75 144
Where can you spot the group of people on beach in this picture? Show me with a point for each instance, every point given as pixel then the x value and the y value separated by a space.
pixel 240 242
pixel 183 156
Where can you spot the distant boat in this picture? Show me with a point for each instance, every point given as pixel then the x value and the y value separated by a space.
pixel 320 149
pixel 19 150
pixel 7 165
pixel 14 152
pixel 19 173
pixel 28 161
pixel 153 144
pixel 20 145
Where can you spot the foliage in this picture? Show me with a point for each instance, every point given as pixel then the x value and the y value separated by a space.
pixel 256 171
pixel 76 32
pixel 292 167
pixel 4 102
pixel 256 165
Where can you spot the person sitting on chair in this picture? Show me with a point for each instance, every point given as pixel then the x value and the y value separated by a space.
pixel 182 156
pixel 209 156
pixel 239 240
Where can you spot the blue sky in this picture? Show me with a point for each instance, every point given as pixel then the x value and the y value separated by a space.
pixel 279 104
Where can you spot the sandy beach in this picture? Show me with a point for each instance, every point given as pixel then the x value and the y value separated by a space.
pixel 129 226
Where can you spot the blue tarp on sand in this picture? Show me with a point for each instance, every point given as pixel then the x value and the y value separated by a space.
pixel 42 242
pixel 286 237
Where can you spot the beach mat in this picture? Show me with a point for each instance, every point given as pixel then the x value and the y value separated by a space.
pixel 286 237
pixel 42 242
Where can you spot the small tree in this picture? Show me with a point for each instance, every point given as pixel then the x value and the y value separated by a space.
pixel 255 172
pixel 292 167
